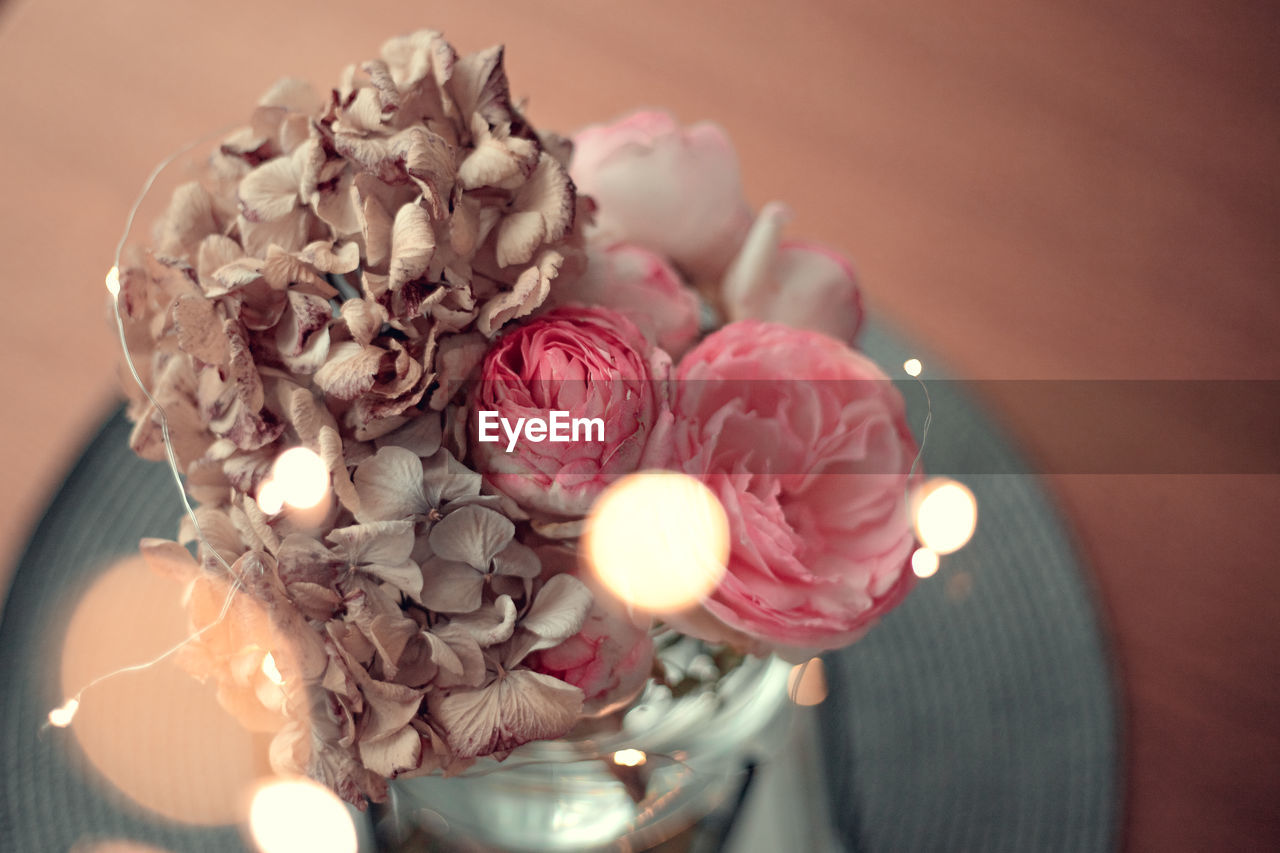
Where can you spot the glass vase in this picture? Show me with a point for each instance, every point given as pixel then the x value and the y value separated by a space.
pixel 677 758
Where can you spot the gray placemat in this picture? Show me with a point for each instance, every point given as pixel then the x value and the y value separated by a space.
pixel 980 715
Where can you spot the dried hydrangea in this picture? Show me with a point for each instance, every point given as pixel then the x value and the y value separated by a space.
pixel 329 282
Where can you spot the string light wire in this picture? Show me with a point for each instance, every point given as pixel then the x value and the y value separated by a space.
pixel 63 715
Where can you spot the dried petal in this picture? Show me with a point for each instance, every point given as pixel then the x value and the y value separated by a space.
pixel 512 710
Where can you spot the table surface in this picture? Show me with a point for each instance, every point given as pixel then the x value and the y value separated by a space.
pixel 1070 191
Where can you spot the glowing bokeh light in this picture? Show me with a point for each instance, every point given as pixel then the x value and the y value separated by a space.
pixel 630 757
pixel 270 497
pixel 300 816
pixel 946 513
pixel 270 670
pixel 114 846
pixel 64 714
pixel 913 367
pixel 658 540
pixel 113 281
pixel 136 728
pixel 807 683
pixel 924 562
pixel 301 476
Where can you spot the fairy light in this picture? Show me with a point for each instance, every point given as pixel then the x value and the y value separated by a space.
pixel 913 367
pixel 629 757
pixel 301 476
pixel 270 497
pixel 658 540
pixel 270 670
pixel 946 514
pixel 62 716
pixel 296 815
pixel 924 562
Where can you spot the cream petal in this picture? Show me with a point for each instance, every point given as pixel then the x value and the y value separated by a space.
pixel 350 370
pixel 490 625
pixel 390 487
pixel 451 587
pixel 558 611
pixel 270 191
pixel 199 329
pixel 514 709
pixel 472 535
pixel 413 244
pixel 169 559
pixel 421 435
pixel 388 542
pixel 390 756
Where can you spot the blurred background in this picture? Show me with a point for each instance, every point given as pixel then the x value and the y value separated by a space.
pixel 1041 191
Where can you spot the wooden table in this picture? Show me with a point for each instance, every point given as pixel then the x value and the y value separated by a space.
pixel 1031 191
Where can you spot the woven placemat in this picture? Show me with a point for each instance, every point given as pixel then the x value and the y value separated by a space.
pixel 980 715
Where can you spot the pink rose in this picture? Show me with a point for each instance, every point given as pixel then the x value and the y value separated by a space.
pixel 591 363
pixel 670 189
pixel 641 285
pixel 792 282
pixel 610 659
pixel 806 444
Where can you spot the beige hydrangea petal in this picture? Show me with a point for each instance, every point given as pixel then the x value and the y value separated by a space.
pixel 479 85
pixel 199 329
pixel 350 370
pixel 461 660
pixel 270 191
pixel 498 159
pixel 293 94
pixel 390 486
pixel 411 59
pixel 216 251
pixel 291 232
pixel 530 291
pixel 541 211
pixel 332 453
pixel 457 359
pixel 450 586
pixel 168 559
pixel 430 162
pixel 375 220
pixel 189 219
pixel 392 755
pixel 364 319
pixel 558 611
pixel 489 625
pixel 413 244
pixel 516 708
pixel 422 435
pixel 472 535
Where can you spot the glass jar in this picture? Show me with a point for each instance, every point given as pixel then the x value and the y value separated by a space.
pixel 675 759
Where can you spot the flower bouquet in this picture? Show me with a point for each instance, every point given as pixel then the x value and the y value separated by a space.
pixel 402 346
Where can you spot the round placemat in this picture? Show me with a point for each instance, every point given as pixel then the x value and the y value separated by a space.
pixel 980 715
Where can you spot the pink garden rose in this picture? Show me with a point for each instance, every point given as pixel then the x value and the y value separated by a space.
pixel 610 659
pixel 806 444
pixel 670 189
pixel 590 363
pixel 640 284
pixel 676 191
pixel 792 282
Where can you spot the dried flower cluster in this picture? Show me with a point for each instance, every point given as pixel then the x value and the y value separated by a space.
pixel 337 267
pixel 357 275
